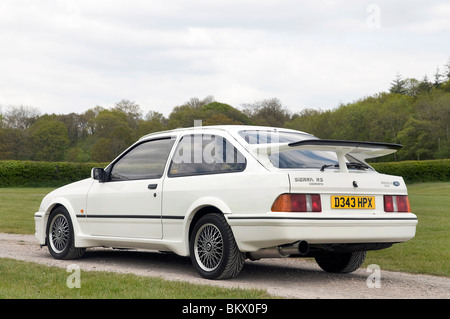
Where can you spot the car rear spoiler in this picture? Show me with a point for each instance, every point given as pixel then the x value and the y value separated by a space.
pixel 357 149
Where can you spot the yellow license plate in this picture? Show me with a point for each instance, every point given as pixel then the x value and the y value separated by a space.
pixel 353 202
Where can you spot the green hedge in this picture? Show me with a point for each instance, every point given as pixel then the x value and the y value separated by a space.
pixel 49 174
pixel 417 171
pixel 43 174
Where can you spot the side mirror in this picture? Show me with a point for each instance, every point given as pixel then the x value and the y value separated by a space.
pixel 98 174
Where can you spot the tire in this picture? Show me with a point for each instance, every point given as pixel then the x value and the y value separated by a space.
pixel 213 249
pixel 60 236
pixel 341 262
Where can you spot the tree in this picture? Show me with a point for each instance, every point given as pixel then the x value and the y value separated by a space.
pixel 391 117
pixel 434 109
pixel 131 110
pixel 196 102
pixel 102 150
pixel 269 112
pixel 113 131
pixel 437 78
pixel 20 117
pixel 425 86
pixel 313 121
pixel 412 86
pixel 223 114
pixel 184 116
pixel 154 116
pixel 398 85
pixel 107 123
pixel 77 126
pixel 415 138
pixel 350 122
pixel 447 70
pixel 212 113
pixel 220 119
pixel 153 122
pixel 49 140
pixel 14 144
pixel 89 118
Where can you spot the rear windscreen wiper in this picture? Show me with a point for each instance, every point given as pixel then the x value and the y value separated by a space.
pixel 325 166
pixel 349 165
pixel 357 165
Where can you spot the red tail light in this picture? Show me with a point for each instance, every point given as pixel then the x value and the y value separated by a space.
pixel 396 204
pixel 388 204
pixel 297 203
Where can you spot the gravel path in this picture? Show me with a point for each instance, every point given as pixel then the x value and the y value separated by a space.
pixel 290 278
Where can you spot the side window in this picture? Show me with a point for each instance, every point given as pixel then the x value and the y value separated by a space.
pixel 200 154
pixel 145 161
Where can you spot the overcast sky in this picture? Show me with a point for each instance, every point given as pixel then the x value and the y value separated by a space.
pixel 69 56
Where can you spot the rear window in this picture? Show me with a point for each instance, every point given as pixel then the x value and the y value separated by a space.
pixel 294 158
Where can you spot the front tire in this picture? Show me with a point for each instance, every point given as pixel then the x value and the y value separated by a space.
pixel 60 236
pixel 341 262
pixel 213 249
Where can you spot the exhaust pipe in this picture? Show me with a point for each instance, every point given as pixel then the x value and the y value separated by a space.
pixel 283 251
pixel 303 247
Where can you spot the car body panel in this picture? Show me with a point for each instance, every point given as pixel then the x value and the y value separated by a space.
pixel 132 214
pixel 73 198
pixel 125 209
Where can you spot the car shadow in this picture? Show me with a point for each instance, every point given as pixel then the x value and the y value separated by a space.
pixel 280 270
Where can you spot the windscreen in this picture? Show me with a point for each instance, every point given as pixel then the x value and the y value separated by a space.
pixel 294 158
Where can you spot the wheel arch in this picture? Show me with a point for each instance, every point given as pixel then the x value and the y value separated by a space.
pixel 202 211
pixel 56 203
pixel 199 209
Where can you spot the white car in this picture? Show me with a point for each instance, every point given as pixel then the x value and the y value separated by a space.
pixel 221 194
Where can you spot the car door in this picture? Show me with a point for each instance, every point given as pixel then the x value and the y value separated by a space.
pixel 128 202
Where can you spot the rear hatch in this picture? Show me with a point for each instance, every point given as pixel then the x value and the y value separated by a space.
pixel 328 176
pixel 352 192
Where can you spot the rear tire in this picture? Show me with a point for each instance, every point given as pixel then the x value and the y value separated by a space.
pixel 213 249
pixel 60 236
pixel 341 262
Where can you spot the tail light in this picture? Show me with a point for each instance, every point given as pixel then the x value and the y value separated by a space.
pixel 297 203
pixel 396 204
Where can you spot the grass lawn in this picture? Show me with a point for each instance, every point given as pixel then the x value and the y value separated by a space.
pixel 429 251
pixel 27 280
pixel 17 208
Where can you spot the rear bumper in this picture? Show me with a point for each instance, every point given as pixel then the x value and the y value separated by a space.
pixel 253 232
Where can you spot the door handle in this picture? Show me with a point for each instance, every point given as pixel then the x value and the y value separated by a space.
pixel 152 186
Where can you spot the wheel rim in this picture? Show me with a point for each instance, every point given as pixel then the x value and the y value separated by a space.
pixel 59 233
pixel 208 247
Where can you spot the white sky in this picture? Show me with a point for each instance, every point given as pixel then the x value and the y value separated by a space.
pixel 69 56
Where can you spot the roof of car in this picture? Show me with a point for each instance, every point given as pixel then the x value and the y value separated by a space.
pixel 223 128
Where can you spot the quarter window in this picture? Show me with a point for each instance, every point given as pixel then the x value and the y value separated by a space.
pixel 199 154
pixel 145 161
